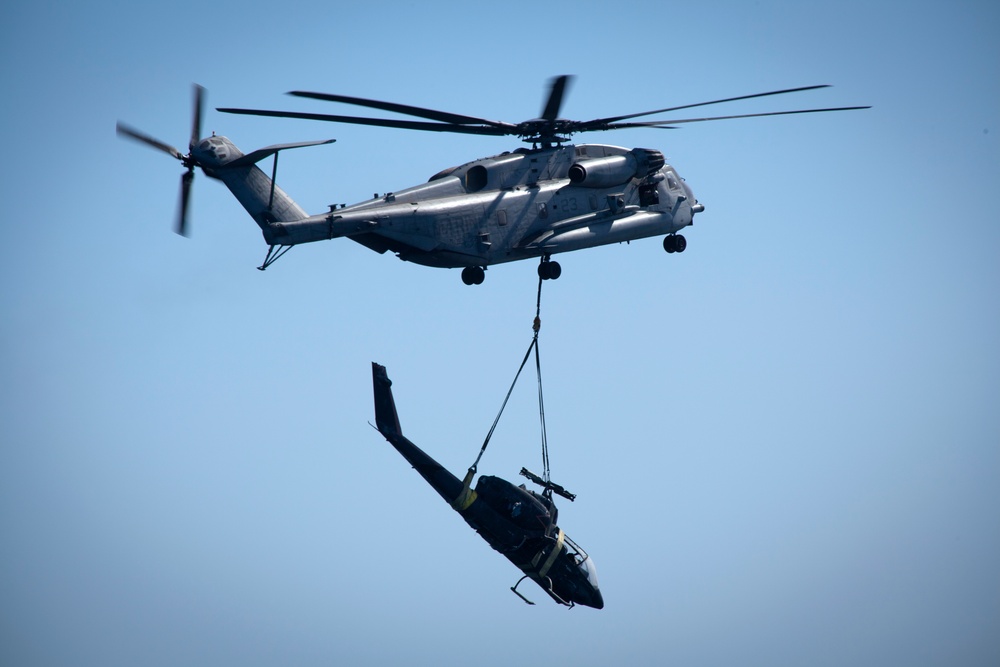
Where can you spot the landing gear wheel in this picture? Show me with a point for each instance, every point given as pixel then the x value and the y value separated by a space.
pixel 549 270
pixel 674 243
pixel 473 275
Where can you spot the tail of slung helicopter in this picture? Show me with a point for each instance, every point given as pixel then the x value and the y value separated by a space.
pixel 386 419
pixel 387 422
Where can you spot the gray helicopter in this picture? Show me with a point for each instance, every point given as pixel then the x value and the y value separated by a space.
pixel 551 198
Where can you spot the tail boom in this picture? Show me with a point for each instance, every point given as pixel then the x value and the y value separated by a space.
pixel 266 203
pixel 387 421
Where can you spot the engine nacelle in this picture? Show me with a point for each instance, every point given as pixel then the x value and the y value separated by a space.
pixel 606 172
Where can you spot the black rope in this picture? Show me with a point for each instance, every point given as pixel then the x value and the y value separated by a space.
pixel 541 418
pixel 509 392
pixel 533 345
pixel 541 402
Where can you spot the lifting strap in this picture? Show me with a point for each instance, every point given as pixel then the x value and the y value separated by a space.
pixel 467 495
pixel 536 326
pixel 552 556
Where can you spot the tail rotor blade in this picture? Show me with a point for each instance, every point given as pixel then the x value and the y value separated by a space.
pixel 199 104
pixel 182 209
pixel 124 130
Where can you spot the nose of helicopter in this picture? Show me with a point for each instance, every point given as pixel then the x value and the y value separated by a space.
pixel 696 206
pixel 596 600
pixel 590 595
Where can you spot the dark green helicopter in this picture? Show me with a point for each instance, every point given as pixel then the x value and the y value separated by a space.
pixel 519 523
pixel 537 202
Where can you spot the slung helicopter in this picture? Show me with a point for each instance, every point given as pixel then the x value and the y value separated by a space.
pixel 517 522
pixel 536 202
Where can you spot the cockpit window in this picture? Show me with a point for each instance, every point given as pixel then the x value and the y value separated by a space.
pixel 583 561
pixel 591 570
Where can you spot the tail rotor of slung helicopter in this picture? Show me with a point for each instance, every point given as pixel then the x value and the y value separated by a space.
pixel 188 160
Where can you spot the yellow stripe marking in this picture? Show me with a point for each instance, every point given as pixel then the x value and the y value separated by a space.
pixel 552 556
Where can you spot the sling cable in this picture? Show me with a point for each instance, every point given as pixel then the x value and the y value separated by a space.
pixel 544 481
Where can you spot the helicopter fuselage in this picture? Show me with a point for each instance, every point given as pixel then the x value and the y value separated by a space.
pixel 553 198
pixel 517 205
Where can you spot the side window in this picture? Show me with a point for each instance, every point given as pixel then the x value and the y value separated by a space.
pixel 672 181
pixel 648 195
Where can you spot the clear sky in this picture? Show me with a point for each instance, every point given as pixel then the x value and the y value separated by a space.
pixel 785 442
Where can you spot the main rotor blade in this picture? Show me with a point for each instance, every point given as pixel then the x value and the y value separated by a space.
pixel 615 119
pixel 672 121
pixel 419 112
pixel 556 92
pixel 378 122
pixel 199 102
pixel 124 130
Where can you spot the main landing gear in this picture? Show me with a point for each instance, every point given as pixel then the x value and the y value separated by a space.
pixel 473 275
pixel 549 270
pixel 674 243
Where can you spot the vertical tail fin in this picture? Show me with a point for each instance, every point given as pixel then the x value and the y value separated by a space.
pixel 219 158
pixel 446 484
pixel 386 419
pixel 259 195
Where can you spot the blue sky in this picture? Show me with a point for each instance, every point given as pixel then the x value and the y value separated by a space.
pixel 785 441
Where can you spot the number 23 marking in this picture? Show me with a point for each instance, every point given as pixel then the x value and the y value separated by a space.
pixel 568 204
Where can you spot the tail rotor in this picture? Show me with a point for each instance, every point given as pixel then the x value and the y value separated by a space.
pixel 189 161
